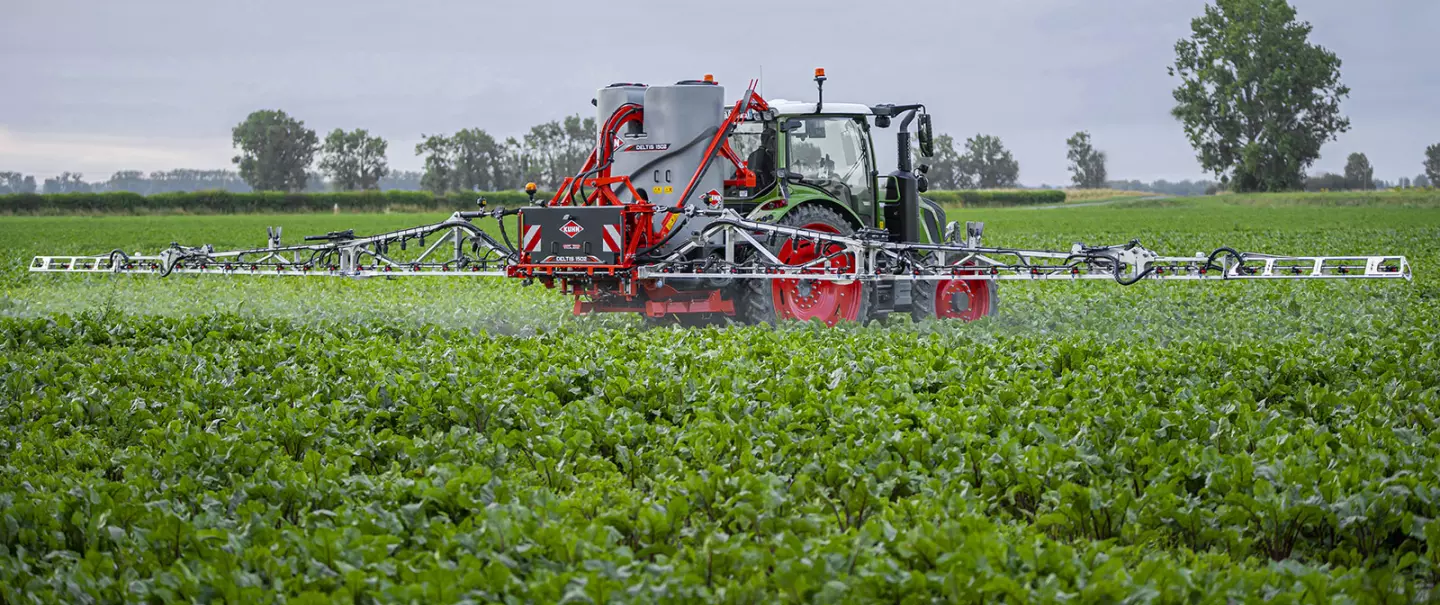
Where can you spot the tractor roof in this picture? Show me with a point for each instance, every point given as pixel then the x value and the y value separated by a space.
pixel 790 108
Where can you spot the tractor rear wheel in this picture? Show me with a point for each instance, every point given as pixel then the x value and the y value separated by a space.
pixel 774 300
pixel 963 299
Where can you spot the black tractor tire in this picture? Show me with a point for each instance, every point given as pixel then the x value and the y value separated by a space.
pixel 922 301
pixel 756 297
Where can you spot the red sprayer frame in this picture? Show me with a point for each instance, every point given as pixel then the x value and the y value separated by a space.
pixel 594 185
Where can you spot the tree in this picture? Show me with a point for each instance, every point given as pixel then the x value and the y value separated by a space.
pixel 67 182
pixel 543 145
pixel 516 167
pixel 1358 172
pixel 275 151
pixel 185 179
pixel 353 160
pixel 315 182
pixel 945 166
pixel 133 181
pixel 1087 165
pixel 467 161
pixel 988 164
pixel 439 162
pixel 1404 182
pixel 1183 188
pixel 1423 181
pixel 579 139
pixel 1326 181
pixel 553 151
pixel 14 182
pixel 406 180
pixel 476 158
pixel 1257 99
pixel 1432 163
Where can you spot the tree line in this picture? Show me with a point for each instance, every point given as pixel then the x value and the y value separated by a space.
pixel 276 151
pixel 178 181
pixel 987 164
pixel 472 160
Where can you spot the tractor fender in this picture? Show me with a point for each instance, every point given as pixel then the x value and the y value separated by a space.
pixel 932 220
pixel 843 210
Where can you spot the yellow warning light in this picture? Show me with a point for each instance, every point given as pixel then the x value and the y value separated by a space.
pixel 529 187
pixel 819 72
pixel 709 78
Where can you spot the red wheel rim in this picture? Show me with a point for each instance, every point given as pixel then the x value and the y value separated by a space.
pixel 826 301
pixel 962 299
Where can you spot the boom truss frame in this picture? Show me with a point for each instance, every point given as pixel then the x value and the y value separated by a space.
pixel 460 248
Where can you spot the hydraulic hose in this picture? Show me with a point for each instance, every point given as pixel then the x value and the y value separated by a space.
pixel 166 268
pixel 114 265
pixel 505 234
pixel 1224 251
pixel 668 236
pixel 604 156
pixel 1119 279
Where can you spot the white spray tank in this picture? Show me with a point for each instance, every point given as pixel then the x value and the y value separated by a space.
pixel 680 122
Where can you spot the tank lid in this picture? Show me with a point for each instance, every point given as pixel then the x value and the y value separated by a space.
pixel 627 84
pixel 694 82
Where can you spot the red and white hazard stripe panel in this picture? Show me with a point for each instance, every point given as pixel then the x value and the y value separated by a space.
pixel 530 241
pixel 611 238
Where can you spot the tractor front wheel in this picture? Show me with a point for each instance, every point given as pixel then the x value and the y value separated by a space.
pixel 964 299
pixel 774 300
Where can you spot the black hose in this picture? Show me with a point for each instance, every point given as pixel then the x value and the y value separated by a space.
pixel 605 128
pixel 167 268
pixel 506 236
pixel 115 266
pixel 1126 282
pixel 1224 250
pixel 665 240
pixel 580 180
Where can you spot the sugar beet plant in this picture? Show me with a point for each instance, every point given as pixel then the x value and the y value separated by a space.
pixel 1161 444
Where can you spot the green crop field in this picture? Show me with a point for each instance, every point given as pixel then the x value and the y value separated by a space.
pixel 257 439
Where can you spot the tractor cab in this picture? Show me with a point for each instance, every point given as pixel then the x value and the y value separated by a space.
pixel 823 154
pixel 825 157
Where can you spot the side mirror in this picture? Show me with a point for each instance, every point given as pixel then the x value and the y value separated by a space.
pixel 922 183
pixel 925 134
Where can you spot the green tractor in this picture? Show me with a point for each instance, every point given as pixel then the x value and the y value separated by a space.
pixel 816 168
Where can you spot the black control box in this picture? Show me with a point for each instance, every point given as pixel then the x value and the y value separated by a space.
pixel 573 235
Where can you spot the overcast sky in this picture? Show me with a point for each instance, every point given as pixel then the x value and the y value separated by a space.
pixel 98 86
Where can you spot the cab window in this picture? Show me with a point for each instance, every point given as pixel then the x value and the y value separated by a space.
pixel 830 152
pixel 754 142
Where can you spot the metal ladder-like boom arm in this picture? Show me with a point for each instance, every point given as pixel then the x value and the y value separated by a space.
pixel 461 248
pixel 458 247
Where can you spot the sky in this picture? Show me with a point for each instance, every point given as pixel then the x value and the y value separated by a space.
pixel 99 86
